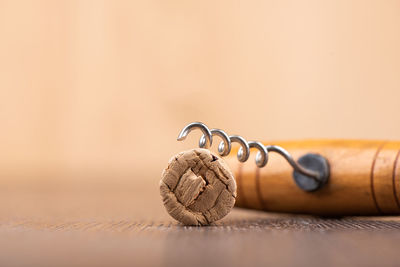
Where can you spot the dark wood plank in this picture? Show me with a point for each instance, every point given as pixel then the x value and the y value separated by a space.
pixel 119 223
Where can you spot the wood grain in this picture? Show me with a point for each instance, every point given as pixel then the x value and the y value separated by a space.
pixel 106 220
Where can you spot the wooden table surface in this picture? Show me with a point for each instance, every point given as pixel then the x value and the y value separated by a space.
pixel 106 221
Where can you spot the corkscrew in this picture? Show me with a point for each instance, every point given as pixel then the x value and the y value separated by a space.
pixel 310 172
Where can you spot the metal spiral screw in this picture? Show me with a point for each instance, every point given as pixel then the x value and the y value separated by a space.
pixel 315 166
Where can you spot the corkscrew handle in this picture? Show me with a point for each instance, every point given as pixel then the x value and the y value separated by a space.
pixel 311 172
pixel 364 180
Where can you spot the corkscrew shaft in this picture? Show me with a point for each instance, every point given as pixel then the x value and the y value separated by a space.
pixel 297 167
pixel 318 173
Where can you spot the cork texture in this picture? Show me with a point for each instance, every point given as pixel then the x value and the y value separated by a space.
pixel 197 187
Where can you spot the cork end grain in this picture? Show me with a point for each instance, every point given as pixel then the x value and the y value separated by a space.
pixel 197 187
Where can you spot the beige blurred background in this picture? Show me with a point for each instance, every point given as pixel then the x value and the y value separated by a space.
pixel 102 88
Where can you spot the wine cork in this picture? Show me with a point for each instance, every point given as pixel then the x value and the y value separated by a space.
pixel 197 187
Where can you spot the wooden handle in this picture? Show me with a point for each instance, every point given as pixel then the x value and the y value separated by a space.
pixel 364 179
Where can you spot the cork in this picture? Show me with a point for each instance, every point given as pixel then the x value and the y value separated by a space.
pixel 197 187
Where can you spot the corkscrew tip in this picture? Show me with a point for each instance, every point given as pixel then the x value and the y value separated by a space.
pixel 199 125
